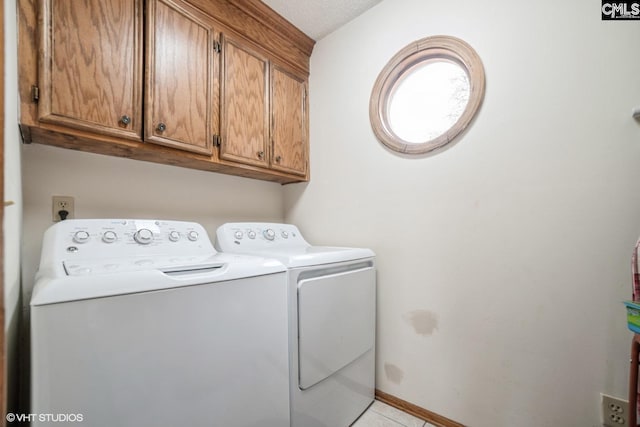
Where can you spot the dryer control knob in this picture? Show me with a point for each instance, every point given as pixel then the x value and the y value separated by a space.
pixel 144 236
pixel 238 235
pixel 174 236
pixel 269 234
pixel 251 234
pixel 109 237
pixel 192 235
pixel 81 237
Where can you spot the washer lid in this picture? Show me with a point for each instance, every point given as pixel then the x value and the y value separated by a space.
pixel 100 279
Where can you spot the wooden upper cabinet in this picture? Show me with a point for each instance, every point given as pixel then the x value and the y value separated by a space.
pixel 244 105
pixel 91 70
pixel 216 85
pixel 289 122
pixel 179 78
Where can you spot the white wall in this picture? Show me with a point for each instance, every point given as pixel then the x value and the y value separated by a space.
pixel 110 187
pixel 12 214
pixel 503 260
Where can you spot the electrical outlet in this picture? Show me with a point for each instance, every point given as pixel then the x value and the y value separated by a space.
pixel 62 203
pixel 615 411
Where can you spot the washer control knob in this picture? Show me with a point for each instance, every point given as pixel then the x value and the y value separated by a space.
pixel 174 236
pixel 285 234
pixel 144 236
pixel 109 237
pixel 238 235
pixel 269 234
pixel 81 237
pixel 251 234
pixel 192 235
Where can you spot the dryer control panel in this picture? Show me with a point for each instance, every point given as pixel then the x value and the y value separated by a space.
pixel 257 236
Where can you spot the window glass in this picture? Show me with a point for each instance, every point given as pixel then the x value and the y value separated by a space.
pixel 427 100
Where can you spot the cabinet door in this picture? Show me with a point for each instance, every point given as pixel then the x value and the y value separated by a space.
pixel 179 72
pixel 91 65
pixel 244 116
pixel 289 122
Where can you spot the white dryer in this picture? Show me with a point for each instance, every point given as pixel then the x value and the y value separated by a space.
pixel 141 323
pixel 332 299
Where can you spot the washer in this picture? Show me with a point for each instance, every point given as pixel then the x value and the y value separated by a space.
pixel 141 323
pixel 332 294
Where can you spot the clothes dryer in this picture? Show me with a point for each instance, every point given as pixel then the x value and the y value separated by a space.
pixel 332 299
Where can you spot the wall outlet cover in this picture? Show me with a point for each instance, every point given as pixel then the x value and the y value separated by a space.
pixel 62 203
pixel 615 411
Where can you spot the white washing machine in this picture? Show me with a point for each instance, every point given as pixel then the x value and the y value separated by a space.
pixel 141 323
pixel 332 293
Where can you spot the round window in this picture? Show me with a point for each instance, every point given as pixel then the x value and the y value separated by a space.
pixel 426 95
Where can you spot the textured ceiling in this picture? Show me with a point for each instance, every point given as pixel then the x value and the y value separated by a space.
pixel 317 18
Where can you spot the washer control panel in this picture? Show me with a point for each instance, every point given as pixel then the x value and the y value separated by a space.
pixel 82 244
pixel 133 232
pixel 257 236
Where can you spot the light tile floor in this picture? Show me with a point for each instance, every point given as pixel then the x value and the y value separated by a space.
pixel 382 415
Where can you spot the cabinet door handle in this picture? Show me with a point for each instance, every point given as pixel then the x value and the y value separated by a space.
pixel 278 159
pixel 125 120
pixel 161 127
pixel 261 155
